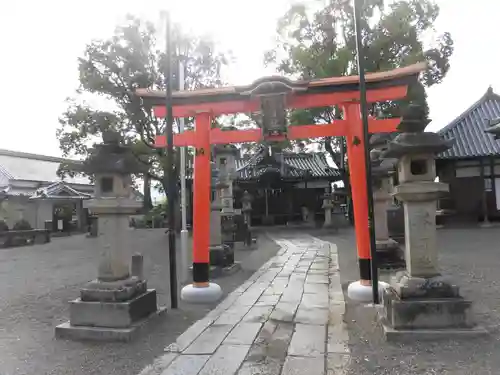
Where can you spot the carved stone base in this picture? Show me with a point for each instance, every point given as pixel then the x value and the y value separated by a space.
pixel 221 255
pixel 389 255
pixel 411 287
pixel 109 321
pixel 112 314
pixel 427 313
pixel 113 291
pixel 422 308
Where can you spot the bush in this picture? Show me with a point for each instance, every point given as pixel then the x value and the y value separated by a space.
pixel 3 226
pixel 22 225
pixel 155 218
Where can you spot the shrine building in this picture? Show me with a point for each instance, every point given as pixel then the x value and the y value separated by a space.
pixel 472 165
pixel 281 185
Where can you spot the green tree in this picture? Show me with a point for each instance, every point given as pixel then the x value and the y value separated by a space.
pixel 321 43
pixel 112 69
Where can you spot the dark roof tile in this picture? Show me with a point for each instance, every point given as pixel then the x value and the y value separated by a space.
pixel 296 164
pixel 468 130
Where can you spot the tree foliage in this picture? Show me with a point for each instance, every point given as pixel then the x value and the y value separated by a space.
pixel 321 43
pixel 111 69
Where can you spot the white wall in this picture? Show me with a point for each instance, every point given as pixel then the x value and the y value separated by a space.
pixel 35 212
pixel 44 212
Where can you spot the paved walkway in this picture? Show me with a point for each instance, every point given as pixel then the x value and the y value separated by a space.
pixel 287 319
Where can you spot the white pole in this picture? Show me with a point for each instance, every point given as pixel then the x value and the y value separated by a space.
pixel 184 231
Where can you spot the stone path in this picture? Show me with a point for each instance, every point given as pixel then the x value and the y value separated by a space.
pixel 287 319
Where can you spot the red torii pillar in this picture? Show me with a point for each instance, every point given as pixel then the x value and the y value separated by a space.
pixel 205 105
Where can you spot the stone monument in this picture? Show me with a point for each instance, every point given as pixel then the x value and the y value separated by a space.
pixel 115 305
pixel 421 303
pixel 327 206
pixel 389 254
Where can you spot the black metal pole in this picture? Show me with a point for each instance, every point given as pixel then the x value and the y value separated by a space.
pixel 366 140
pixel 172 185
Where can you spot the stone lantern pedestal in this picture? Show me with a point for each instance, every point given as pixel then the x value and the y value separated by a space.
pixel 421 303
pixel 244 231
pixel 221 254
pixel 389 254
pixel 339 219
pixel 118 303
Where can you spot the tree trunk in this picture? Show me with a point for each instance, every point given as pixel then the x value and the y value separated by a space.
pixel 178 215
pixel 338 158
pixel 147 203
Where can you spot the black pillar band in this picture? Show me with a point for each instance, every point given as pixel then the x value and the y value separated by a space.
pixel 364 269
pixel 200 272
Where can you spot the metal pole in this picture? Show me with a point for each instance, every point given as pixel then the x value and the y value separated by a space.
pixel 366 139
pixel 182 150
pixel 172 185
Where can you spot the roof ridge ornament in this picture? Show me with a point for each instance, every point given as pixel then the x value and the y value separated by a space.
pixel 273 85
pixel 493 128
pixel 412 139
pixel 272 92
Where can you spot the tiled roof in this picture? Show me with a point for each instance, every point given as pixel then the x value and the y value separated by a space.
pixel 31 167
pixel 53 191
pixel 295 166
pixel 468 130
pixel 17 191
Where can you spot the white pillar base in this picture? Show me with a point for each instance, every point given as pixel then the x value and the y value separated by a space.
pixel 486 224
pixel 196 294
pixel 363 293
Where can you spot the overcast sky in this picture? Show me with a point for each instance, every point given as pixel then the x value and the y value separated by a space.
pixel 41 41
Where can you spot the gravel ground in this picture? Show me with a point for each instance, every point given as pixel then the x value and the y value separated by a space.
pixel 37 282
pixel 471 257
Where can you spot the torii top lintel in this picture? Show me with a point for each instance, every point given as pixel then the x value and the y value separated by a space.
pixel 381 86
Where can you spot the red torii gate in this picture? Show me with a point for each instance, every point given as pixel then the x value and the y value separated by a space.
pixel 271 96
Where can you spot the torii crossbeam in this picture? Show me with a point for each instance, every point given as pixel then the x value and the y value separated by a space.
pixel 271 96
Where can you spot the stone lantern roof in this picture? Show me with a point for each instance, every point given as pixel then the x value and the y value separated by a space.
pixel 228 149
pixel 112 156
pixel 413 139
pixel 380 166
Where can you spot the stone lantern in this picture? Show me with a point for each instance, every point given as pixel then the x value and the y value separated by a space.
pixel 327 206
pixel 225 160
pixel 389 255
pixel 113 306
pixel 420 302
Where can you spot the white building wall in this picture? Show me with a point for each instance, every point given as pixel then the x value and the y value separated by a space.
pixel 44 212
